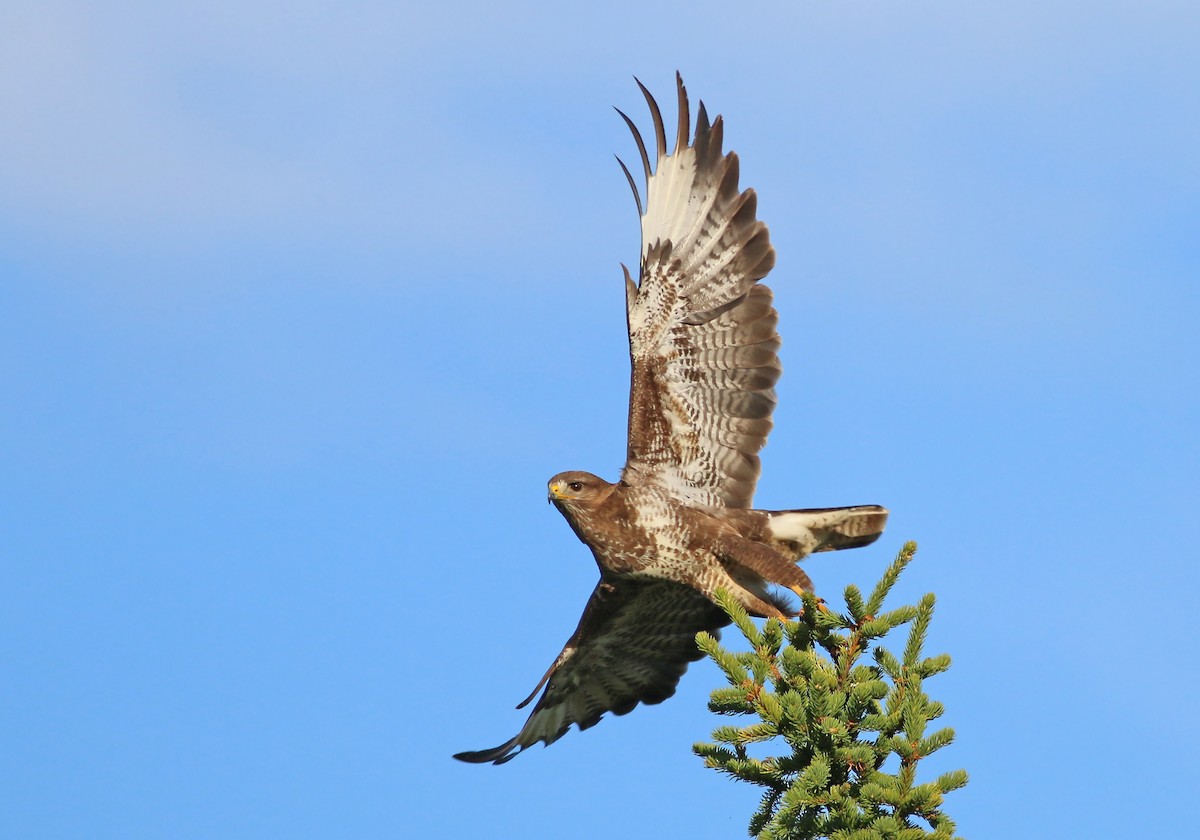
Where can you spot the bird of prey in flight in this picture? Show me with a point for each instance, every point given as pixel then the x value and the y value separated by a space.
pixel 678 524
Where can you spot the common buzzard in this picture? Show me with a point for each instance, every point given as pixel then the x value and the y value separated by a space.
pixel 678 524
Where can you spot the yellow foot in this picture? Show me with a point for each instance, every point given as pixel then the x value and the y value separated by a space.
pixel 800 590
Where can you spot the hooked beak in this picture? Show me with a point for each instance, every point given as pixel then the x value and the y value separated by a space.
pixel 555 492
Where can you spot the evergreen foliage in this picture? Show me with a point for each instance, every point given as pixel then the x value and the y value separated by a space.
pixel 838 719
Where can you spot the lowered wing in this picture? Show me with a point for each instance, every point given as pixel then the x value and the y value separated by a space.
pixel 633 643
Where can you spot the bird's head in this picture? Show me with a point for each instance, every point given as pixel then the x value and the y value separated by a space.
pixel 576 488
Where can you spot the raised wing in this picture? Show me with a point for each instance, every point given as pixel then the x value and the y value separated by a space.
pixel 702 334
pixel 633 643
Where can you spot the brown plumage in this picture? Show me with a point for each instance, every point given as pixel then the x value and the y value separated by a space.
pixel 678 525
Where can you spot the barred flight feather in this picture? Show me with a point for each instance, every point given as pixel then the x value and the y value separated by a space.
pixel 697 314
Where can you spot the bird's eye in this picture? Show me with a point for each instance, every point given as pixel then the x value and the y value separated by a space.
pixel 575 486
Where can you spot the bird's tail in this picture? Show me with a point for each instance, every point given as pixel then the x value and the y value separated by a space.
pixel 803 532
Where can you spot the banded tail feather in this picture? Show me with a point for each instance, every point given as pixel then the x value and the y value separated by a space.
pixel 810 530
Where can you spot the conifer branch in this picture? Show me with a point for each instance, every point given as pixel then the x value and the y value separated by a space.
pixel 836 719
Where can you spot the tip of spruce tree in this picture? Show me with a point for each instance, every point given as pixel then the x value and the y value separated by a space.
pixel 836 716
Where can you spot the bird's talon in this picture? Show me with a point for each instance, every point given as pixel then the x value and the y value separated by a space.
pixel 800 590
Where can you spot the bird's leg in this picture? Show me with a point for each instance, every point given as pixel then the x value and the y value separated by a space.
pixel 758 607
pixel 820 601
pixel 800 590
pixel 765 562
pixel 768 563
pixel 759 604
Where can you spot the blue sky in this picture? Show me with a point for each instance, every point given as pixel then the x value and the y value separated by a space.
pixel 300 306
